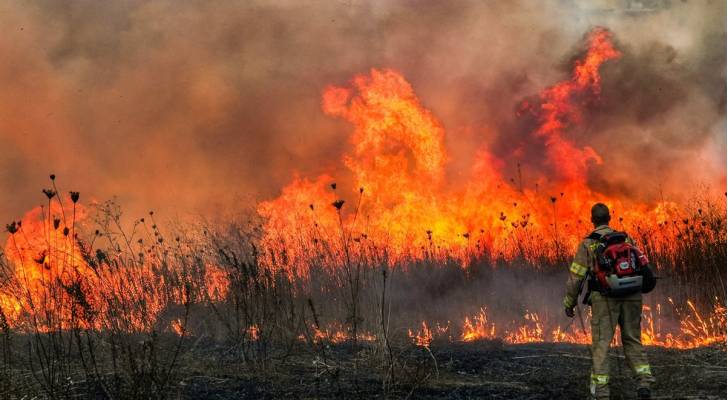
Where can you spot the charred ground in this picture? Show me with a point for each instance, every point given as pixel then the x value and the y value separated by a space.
pixel 466 371
pixel 447 370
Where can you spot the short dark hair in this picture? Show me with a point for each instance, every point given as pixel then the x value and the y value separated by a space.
pixel 600 214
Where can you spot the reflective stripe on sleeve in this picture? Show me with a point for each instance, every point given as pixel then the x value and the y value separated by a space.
pixel 642 369
pixel 569 301
pixel 600 379
pixel 578 269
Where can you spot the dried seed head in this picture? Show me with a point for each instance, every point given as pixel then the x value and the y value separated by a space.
pixel 41 258
pixel 65 231
pixel 333 186
pixel 53 177
pixel 56 222
pixel 310 206
pixel 12 227
pixel 361 190
pixel 49 193
pixel 338 204
pixel 74 196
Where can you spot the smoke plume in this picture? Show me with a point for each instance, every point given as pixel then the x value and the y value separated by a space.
pixel 197 107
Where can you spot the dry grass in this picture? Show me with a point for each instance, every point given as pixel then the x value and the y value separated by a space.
pixel 134 308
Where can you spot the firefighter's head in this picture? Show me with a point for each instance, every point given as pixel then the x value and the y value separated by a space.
pixel 600 214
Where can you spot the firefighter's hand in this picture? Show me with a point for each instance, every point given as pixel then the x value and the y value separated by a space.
pixel 569 311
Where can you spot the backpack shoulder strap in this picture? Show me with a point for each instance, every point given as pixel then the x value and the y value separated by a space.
pixel 595 236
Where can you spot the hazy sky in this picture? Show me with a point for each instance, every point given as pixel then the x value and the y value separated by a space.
pixel 200 106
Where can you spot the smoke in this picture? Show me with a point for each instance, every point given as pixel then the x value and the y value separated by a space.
pixel 205 106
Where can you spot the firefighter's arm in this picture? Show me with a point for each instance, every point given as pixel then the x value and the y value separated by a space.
pixel 577 273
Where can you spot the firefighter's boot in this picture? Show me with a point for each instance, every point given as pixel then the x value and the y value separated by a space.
pixel 599 387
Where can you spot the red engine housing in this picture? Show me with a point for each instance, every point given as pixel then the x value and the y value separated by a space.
pixel 621 259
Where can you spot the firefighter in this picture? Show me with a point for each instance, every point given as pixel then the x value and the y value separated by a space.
pixel 607 313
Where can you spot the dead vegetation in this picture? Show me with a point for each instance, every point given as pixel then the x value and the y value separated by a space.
pixel 205 311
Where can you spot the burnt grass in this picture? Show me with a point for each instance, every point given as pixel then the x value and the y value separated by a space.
pixel 480 370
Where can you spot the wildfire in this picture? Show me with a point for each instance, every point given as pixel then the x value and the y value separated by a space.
pixel 62 286
pixel 398 160
pixel 404 208
pixel 425 335
pixel 530 332
pixel 58 275
pixel 48 262
pixel 421 338
pixel 335 333
pixel 478 328
pixel 695 329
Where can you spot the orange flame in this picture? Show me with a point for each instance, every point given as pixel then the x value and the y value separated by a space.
pixel 56 287
pixel 404 204
pixel 398 162
pixel 695 329
pixel 48 263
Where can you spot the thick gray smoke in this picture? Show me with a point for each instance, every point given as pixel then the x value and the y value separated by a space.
pixel 199 106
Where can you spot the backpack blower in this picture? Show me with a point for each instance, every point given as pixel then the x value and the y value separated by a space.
pixel 621 268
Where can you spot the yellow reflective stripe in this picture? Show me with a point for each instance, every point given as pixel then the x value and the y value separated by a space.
pixel 578 269
pixel 568 301
pixel 642 369
pixel 600 379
